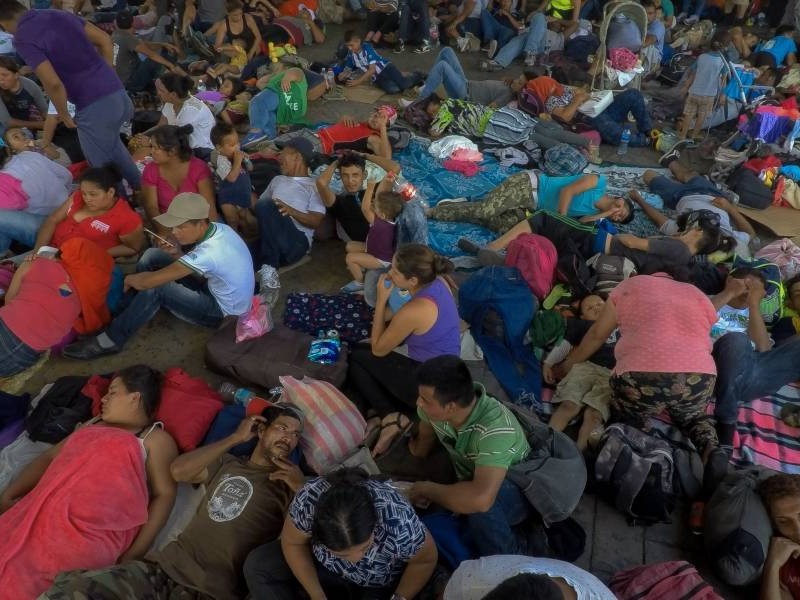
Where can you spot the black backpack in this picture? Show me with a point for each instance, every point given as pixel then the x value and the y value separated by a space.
pixel 572 270
pixel 59 411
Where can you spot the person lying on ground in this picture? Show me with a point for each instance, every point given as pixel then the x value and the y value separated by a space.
pixel 244 505
pixel 781 496
pixel 777 52
pixel 282 101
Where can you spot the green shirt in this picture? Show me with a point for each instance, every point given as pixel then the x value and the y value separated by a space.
pixel 292 105
pixel 491 437
pixel 460 117
pixel 667 8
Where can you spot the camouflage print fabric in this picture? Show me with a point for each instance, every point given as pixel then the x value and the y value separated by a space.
pixel 639 396
pixel 139 579
pixel 501 209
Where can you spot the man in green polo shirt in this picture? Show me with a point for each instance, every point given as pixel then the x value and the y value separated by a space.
pixel 484 439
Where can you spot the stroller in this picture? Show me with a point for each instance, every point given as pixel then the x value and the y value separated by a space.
pixel 636 13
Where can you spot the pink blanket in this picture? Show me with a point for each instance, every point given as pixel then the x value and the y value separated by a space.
pixel 84 513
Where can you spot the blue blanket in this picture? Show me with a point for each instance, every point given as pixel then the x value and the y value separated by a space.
pixel 434 182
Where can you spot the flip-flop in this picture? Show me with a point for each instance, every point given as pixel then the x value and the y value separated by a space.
pixel 396 422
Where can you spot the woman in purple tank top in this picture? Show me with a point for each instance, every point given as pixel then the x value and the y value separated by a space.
pixel 384 380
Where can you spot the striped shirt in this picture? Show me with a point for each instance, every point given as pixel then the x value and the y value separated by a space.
pixel 491 437
pixel 460 117
pixel 361 60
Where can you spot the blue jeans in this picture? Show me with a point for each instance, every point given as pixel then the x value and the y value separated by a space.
pixel 614 119
pixel 410 28
pixel 471 25
pixel 446 71
pixel 143 76
pixel 491 531
pixel 15 356
pixel 392 81
pixel 493 30
pixel 743 374
pixel 531 41
pixel 699 5
pixel 98 131
pixel 263 112
pixel 591 9
pixel 18 226
pixel 188 299
pixel 281 242
pixel 671 190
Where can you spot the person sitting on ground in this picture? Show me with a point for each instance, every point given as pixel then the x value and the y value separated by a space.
pixel 364 65
pixel 244 504
pixel 736 17
pixel 237 26
pixel 290 209
pixel 181 109
pixel 484 439
pixel 346 206
pixel 174 170
pixel 466 19
pixel 777 52
pixel 563 9
pixel 137 496
pixel 653 44
pixel 500 26
pixel 220 256
pixel 704 85
pixel 541 36
pixel 283 100
pixel 231 166
pixel 701 234
pixel 96 212
pixel 661 364
pixel 345 536
pixel 381 207
pixel 201 15
pixel 585 389
pixel 749 366
pixel 382 18
pixel 415 23
pixel 33 186
pixel 505 577
pixel 381 378
pixel 22 102
pixel 731 221
pixel 781 496
pixel 507 204
pixel 136 73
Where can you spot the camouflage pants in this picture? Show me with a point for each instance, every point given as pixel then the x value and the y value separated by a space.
pixel 638 396
pixel 139 579
pixel 501 209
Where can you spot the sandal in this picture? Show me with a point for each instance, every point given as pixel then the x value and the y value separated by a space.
pixel 393 426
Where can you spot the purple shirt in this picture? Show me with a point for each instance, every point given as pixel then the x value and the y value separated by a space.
pixel 444 337
pixel 59 37
pixel 380 239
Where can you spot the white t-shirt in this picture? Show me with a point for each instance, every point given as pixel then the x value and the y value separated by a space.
pixel 475 578
pixel 694 202
pixel 224 260
pixel 298 192
pixel 194 112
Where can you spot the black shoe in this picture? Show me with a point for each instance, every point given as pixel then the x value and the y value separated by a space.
pixel 88 349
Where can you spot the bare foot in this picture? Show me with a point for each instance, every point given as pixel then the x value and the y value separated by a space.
pixel 392 425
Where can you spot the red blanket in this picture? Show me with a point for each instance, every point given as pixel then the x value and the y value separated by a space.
pixel 84 513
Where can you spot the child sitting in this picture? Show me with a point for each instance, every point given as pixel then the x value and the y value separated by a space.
pixel 231 166
pixel 380 207
pixel 363 64
pixel 237 59
pixel 587 383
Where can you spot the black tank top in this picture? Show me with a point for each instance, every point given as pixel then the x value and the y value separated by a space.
pixel 246 35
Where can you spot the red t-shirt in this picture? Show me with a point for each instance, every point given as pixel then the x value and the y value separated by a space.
pixel 198 171
pixel 340 134
pixel 790 577
pixel 104 230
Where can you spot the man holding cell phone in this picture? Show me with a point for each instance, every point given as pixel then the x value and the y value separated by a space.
pixel 203 286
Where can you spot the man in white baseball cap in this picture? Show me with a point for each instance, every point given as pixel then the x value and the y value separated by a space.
pixel 213 280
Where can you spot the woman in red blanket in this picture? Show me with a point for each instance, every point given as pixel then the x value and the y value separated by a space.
pixel 99 497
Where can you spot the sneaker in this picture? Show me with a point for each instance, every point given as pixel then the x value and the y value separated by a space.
pixel 674 153
pixel 530 59
pixel 400 47
pixel 252 138
pixel 88 349
pixel 680 18
pixel 353 287
pixel 490 66
pixel 405 102
pixel 492 48
pixel 462 43
pixel 424 48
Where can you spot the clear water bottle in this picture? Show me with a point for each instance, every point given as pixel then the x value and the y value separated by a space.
pixel 403 187
pixel 201 86
pixel 623 141
pixel 237 395
pixel 330 79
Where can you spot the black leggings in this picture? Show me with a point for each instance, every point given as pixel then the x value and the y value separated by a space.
pixel 383 22
pixel 386 384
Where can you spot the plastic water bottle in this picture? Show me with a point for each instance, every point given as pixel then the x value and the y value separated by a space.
pixel 325 349
pixel 404 187
pixel 623 141
pixel 237 395
pixel 330 79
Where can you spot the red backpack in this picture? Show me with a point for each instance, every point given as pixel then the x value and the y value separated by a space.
pixel 535 256
pixel 676 580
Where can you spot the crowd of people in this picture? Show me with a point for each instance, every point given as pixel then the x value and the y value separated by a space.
pixel 109 214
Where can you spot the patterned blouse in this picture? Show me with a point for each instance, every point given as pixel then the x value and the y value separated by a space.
pixel 398 536
pixel 559 101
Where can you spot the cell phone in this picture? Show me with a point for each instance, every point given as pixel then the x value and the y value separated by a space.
pixel 153 234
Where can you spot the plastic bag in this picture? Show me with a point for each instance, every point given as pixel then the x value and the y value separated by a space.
pixel 784 253
pixel 255 322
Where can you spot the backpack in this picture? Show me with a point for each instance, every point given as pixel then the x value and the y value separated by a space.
pixel 752 192
pixel 529 102
pixel 737 528
pixel 772 303
pixel 610 271
pixel 59 411
pixel 635 471
pixel 579 49
pixel 675 580
pixel 572 270
pixel 673 72
pixel 535 256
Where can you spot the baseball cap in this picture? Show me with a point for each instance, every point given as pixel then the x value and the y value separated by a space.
pixel 303 148
pixel 184 207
